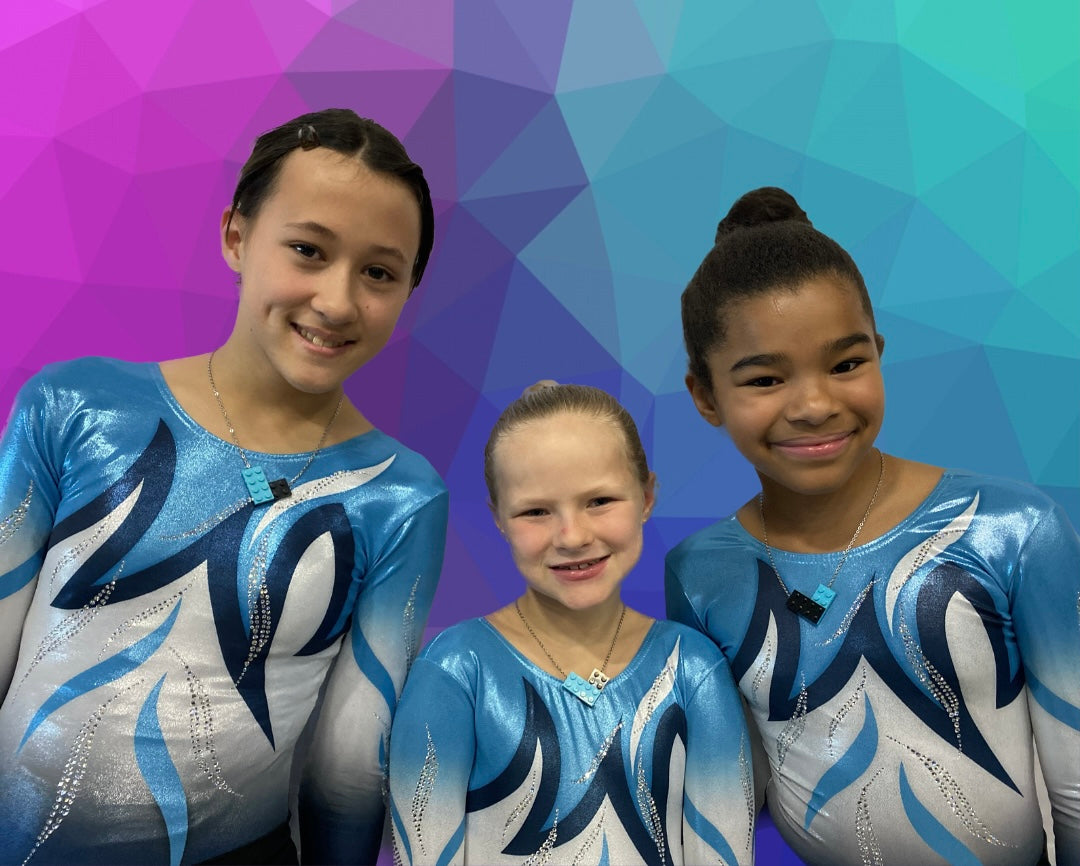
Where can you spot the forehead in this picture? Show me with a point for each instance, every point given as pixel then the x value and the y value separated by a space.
pixel 814 313
pixel 323 182
pixel 561 449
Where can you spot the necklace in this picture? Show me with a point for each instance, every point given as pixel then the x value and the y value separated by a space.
pixel 814 607
pixel 587 690
pixel 258 487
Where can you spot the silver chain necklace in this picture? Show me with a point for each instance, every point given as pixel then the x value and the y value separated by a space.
pixel 587 690
pixel 258 487
pixel 812 608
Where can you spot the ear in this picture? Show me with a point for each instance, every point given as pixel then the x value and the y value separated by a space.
pixel 880 340
pixel 703 400
pixel 495 517
pixel 650 497
pixel 231 238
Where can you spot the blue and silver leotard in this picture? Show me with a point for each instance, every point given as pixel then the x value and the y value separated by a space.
pixel 899 728
pixel 163 641
pixel 493 761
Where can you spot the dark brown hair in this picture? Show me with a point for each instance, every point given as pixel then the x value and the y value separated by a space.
pixel 349 134
pixel 766 242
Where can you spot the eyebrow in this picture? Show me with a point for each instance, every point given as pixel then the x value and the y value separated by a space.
pixel 323 231
pixel 771 359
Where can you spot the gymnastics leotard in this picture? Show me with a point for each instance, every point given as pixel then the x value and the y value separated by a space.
pixel 899 728
pixel 163 640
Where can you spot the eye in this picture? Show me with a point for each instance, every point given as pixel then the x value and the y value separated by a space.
pixel 762 382
pixel 308 251
pixel 532 512
pixel 379 273
pixel 848 365
pixel 601 500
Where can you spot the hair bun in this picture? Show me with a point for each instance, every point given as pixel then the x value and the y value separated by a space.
pixel 769 204
pixel 539 386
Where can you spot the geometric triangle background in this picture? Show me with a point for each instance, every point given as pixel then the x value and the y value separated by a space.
pixel 580 155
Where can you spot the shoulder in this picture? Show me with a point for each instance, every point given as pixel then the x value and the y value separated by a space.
pixel 723 537
pixel 989 497
pixel 407 467
pixel 462 650
pixel 694 648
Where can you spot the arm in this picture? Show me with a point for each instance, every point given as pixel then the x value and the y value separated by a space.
pixel 341 795
pixel 431 759
pixel 28 497
pixel 1046 614
pixel 718 794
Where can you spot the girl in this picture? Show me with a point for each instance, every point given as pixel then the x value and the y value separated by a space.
pixel 881 616
pixel 505 748
pixel 191 550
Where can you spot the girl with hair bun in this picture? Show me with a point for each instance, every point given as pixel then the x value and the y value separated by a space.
pixel 899 631
pixel 194 553
pixel 505 748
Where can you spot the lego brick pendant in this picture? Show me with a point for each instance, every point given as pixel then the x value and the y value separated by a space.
pixel 262 490
pixel 805 607
pixel 584 690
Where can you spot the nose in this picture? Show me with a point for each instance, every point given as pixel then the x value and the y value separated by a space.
pixel 336 299
pixel 573 532
pixel 811 400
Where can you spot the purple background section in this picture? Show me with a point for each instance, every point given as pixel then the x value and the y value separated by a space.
pixel 579 156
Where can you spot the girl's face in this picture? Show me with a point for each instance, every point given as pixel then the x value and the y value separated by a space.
pixel 325 268
pixel 797 384
pixel 570 506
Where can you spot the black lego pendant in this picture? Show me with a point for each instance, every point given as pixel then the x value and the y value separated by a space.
pixel 805 607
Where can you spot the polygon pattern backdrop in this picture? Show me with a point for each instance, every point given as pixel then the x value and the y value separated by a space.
pixel 580 155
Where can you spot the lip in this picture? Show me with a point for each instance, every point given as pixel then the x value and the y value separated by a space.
pixel 332 343
pixel 581 569
pixel 814 447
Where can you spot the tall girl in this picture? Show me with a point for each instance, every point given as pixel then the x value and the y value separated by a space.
pixel 566 727
pixel 898 630
pixel 191 550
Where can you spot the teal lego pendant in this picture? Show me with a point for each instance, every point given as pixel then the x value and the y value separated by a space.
pixel 811 608
pixel 262 490
pixel 588 690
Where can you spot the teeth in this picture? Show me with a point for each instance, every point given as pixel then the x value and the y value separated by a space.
pixel 319 341
pixel 580 566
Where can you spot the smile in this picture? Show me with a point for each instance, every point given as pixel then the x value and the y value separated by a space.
pixel 821 446
pixel 586 569
pixel 321 342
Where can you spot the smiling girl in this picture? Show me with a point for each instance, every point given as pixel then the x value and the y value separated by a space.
pixel 898 630
pixel 506 749
pixel 190 551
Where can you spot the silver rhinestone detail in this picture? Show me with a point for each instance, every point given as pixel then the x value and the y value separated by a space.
pixel 12 523
pixel 747 778
pixel 525 803
pixel 146 614
pixel 843 711
pixel 590 840
pixel 598 758
pixel 869 849
pixel 849 617
pixel 762 671
pixel 954 797
pixel 69 627
pixel 408 625
pixel 258 598
pixel 74 771
pixel 201 726
pixel 424 786
pixel 210 522
pixel 650 815
pixel 793 729
pixel 931 678
pixel 542 856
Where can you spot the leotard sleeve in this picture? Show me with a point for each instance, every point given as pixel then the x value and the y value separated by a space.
pixel 431 759
pixel 343 789
pixel 718 792
pixel 1046 615
pixel 28 499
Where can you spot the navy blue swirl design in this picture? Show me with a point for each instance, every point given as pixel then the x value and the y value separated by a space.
pixel 865 640
pixel 220 548
pixel 610 780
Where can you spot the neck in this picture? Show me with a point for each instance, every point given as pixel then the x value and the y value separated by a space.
pixel 585 626
pixel 820 522
pixel 252 396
